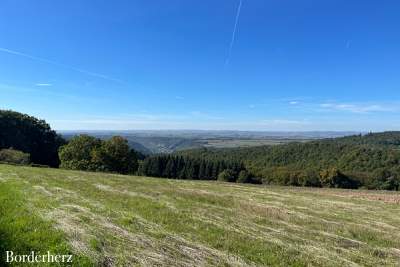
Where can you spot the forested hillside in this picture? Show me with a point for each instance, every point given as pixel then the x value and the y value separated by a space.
pixel 370 161
pixel 385 139
pixel 319 154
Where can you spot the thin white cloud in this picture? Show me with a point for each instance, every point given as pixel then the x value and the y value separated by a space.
pixel 234 33
pixel 43 84
pixel 160 122
pixel 205 116
pixel 51 62
pixel 38 89
pixel 358 108
pixel 252 106
pixel 118 122
pixel 293 102
pixel 275 122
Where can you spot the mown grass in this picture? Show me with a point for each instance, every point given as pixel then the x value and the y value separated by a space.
pixel 120 220
pixel 23 231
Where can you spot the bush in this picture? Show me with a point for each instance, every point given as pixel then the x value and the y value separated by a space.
pixel 391 183
pixel 335 179
pixel 227 176
pixel 385 180
pixel 244 177
pixel 14 156
pixel 281 176
pixel 310 178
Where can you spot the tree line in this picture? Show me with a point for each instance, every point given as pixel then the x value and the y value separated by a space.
pixel 27 140
pixel 360 164
pixel 180 167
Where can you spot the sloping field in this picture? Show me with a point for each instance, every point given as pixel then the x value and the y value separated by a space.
pixel 117 220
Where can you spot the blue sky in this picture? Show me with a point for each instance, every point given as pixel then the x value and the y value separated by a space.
pixel 179 64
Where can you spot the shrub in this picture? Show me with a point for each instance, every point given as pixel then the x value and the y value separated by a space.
pixel 385 180
pixel 310 178
pixel 227 176
pixel 334 178
pixel 244 177
pixel 14 156
pixel 391 183
pixel 280 176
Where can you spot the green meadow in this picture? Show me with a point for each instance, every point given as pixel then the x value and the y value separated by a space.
pixel 116 220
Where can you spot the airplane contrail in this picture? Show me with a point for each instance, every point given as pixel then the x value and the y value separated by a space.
pixel 94 74
pixel 234 33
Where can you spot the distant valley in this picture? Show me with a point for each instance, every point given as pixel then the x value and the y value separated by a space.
pixel 169 141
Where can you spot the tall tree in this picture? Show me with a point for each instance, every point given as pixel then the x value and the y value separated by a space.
pixel 30 135
pixel 89 153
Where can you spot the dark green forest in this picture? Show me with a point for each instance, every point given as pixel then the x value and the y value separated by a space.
pixel 30 135
pixel 384 139
pixel 179 167
pixel 369 161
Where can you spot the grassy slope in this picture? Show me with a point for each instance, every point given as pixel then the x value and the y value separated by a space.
pixel 23 231
pixel 146 221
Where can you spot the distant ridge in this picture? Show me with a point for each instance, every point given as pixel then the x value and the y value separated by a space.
pixel 169 141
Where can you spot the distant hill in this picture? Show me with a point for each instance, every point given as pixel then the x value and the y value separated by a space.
pixel 145 144
pixel 155 142
pixel 384 139
pixel 139 147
